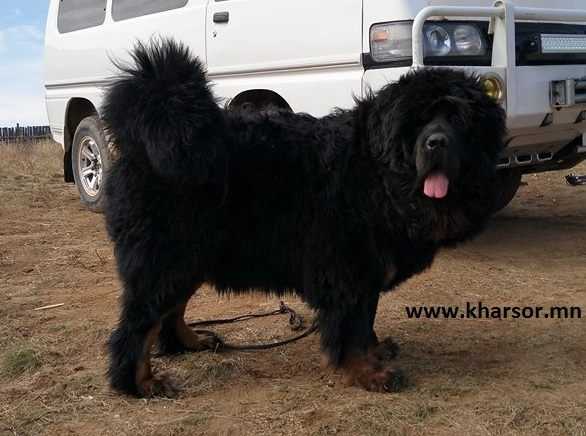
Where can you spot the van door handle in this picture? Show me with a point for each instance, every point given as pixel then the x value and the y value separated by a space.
pixel 221 17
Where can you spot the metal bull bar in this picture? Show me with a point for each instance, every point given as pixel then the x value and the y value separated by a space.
pixel 503 16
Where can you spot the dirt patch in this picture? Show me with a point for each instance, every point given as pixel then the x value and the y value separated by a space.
pixel 501 377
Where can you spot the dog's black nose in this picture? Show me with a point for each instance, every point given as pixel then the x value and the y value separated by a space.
pixel 437 140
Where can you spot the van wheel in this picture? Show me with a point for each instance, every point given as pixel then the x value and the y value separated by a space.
pixel 507 184
pixel 259 104
pixel 91 162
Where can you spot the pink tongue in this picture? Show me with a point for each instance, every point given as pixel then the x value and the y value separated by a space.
pixel 436 185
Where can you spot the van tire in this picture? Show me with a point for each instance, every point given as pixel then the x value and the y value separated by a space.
pixel 90 160
pixel 507 182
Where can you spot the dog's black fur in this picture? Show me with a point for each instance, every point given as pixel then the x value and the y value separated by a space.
pixel 331 208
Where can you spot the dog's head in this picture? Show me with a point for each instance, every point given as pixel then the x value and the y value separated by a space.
pixel 440 127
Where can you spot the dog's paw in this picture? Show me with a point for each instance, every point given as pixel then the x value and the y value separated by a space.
pixel 386 350
pixel 372 375
pixel 383 380
pixel 159 386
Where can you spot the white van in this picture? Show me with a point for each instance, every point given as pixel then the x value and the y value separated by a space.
pixel 311 56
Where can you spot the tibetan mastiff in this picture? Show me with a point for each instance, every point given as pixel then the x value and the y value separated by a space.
pixel 336 209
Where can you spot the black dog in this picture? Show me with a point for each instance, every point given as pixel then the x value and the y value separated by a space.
pixel 336 209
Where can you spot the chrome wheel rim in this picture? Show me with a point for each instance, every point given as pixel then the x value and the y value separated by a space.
pixel 90 166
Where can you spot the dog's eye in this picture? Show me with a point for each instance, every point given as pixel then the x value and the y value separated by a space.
pixel 454 119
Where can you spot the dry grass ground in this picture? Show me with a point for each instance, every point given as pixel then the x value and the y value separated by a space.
pixel 489 377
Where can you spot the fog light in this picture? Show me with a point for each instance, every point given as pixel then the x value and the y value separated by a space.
pixel 493 87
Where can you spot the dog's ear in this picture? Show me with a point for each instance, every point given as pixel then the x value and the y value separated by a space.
pixel 381 121
pixel 487 112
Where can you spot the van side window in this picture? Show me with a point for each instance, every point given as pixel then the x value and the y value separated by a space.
pixel 80 14
pixel 125 9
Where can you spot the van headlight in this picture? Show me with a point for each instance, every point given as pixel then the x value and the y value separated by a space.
pixel 437 41
pixel 392 41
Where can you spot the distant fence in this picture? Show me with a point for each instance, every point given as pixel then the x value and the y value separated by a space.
pixel 24 133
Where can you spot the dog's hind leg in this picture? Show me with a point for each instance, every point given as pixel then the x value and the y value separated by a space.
pixel 149 298
pixel 177 337
pixel 130 349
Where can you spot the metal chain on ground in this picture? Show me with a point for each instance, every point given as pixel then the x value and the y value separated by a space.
pixel 295 323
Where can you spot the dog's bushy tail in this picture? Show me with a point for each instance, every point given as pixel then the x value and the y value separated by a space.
pixel 162 103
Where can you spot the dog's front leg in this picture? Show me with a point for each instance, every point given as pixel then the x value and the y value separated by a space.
pixel 387 349
pixel 347 341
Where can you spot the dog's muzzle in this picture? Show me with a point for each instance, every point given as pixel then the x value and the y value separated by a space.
pixel 436 160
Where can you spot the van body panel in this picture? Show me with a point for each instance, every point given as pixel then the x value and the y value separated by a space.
pixel 259 35
pixel 336 87
pixel 298 50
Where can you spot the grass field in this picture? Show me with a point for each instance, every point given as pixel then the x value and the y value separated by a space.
pixel 480 377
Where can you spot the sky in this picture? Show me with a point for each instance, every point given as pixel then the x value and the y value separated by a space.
pixel 22 28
